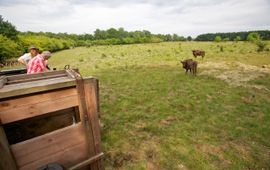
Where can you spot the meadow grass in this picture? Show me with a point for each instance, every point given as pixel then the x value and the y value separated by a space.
pixel 154 116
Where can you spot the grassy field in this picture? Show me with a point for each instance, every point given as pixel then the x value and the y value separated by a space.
pixel 154 116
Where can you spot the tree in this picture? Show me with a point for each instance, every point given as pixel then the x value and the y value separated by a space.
pixel 237 38
pixel 8 49
pixel 226 39
pixel 112 33
pixel 253 37
pixel 218 38
pixel 122 33
pixel 7 29
pixel 189 38
pixel 100 34
pixel 265 35
pixel 175 37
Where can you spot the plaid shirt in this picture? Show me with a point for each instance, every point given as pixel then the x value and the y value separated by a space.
pixel 36 65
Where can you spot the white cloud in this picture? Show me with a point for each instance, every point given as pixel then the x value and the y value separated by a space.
pixel 184 17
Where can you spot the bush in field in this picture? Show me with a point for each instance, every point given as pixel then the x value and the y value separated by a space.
pixel 256 38
pixel 221 48
pixel 238 38
pixel 226 39
pixel 218 38
pixel 253 37
pixel 261 45
pixel 8 49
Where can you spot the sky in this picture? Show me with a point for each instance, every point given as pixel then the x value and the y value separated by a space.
pixel 183 17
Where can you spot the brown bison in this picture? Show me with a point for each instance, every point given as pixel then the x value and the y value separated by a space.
pixel 189 64
pixel 198 53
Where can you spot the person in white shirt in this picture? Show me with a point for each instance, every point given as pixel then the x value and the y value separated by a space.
pixel 24 59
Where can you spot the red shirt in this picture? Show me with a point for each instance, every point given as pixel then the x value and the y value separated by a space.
pixel 36 65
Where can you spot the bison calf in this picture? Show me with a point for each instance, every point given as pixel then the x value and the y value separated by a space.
pixel 189 64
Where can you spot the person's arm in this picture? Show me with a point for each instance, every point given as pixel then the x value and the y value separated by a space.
pixel 23 59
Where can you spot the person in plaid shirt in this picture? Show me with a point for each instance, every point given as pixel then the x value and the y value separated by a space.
pixel 38 63
pixel 33 52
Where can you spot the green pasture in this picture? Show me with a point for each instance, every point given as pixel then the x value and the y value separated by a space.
pixel 154 116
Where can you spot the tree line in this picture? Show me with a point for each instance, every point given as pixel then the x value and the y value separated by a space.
pixel 14 43
pixel 232 36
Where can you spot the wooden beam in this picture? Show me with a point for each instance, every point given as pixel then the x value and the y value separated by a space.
pixel 36 98
pixel 54 101
pixel 87 162
pixel 36 78
pixel 66 146
pixel 85 121
pixel 6 158
pixel 13 90
pixel 35 75
pixel 3 81
pixel 91 92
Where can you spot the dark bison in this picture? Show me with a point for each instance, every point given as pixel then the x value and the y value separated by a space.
pixel 198 53
pixel 189 64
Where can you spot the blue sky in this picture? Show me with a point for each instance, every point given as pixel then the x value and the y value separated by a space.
pixel 183 17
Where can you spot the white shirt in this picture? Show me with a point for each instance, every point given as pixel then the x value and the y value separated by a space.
pixel 26 57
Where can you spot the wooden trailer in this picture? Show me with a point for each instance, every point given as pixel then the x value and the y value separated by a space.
pixel 48 118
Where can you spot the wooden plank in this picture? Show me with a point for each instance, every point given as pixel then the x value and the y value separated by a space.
pixel 85 122
pixel 70 74
pixel 87 162
pixel 36 109
pixel 91 92
pixel 6 158
pixel 36 98
pixel 35 75
pixel 3 81
pixel 39 86
pixel 66 146
pixel 36 78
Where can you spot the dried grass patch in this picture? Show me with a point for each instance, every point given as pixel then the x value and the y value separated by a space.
pixel 235 73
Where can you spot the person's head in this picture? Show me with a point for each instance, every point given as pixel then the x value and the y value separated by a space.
pixel 46 55
pixel 33 51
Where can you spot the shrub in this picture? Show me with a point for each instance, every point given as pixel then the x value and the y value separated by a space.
pixel 253 37
pixel 218 38
pixel 8 49
pixel 261 45
pixel 221 49
pixel 238 38
pixel 226 39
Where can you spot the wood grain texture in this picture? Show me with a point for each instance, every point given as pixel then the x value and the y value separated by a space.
pixel 36 98
pixel 3 81
pixel 91 92
pixel 36 78
pixel 6 158
pixel 31 106
pixel 13 90
pixel 34 75
pixel 66 146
